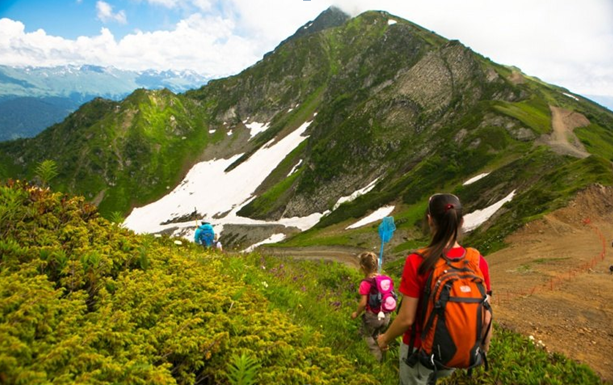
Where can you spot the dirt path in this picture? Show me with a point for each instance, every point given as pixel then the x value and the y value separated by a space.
pixel 345 255
pixel 562 140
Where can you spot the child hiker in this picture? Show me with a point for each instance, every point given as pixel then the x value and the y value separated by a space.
pixel 372 323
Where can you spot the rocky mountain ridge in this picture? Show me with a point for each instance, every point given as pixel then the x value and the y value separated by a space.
pixel 385 100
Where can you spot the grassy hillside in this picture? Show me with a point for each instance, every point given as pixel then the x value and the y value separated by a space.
pixel 118 154
pixel 84 301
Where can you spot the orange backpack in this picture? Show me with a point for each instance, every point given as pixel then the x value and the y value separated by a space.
pixel 456 315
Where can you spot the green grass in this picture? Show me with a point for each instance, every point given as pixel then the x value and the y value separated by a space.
pixel 597 140
pixel 146 310
pixel 534 113
pixel 321 296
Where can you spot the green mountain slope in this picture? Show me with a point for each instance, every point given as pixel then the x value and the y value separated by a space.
pixel 393 102
pixel 83 300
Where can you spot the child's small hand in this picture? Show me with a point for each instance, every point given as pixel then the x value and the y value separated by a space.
pixel 354 315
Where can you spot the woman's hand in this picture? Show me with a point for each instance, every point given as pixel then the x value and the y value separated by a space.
pixel 354 315
pixel 382 342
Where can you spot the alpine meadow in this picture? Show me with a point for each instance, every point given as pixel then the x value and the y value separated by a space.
pixel 294 161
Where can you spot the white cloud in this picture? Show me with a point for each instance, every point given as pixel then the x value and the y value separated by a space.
pixel 105 13
pixel 165 3
pixel 208 45
pixel 564 42
pixel 203 5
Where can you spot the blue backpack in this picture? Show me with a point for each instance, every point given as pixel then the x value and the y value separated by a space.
pixel 206 235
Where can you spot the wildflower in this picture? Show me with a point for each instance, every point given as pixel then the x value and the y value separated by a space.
pixel 263 267
pixel 264 284
pixel 178 243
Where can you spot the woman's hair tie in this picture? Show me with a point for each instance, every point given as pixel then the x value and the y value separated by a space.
pixel 449 206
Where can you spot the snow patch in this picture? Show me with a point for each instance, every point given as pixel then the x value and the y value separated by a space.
pixel 295 168
pixel 355 194
pixel 571 96
pixel 210 190
pixel 230 133
pixel 478 217
pixel 475 178
pixel 391 22
pixel 272 239
pixel 212 131
pixel 375 216
pixel 255 128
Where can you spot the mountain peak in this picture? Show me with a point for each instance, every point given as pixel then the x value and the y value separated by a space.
pixel 330 18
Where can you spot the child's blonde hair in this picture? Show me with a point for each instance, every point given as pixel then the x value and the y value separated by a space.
pixel 368 261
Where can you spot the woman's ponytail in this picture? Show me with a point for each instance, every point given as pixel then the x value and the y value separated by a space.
pixel 445 211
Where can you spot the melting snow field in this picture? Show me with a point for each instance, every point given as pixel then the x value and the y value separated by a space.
pixel 356 194
pixel 478 217
pixel 475 178
pixel 272 239
pixel 211 191
pixel 375 216
pixel 255 127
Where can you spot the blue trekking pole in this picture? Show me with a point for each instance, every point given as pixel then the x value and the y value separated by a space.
pixel 386 231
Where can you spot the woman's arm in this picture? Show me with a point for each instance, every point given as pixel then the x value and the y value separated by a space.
pixel 361 307
pixel 402 322
pixel 488 337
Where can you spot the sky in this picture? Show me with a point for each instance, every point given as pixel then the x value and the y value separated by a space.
pixel 563 42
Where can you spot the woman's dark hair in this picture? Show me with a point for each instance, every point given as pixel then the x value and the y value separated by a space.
pixel 446 213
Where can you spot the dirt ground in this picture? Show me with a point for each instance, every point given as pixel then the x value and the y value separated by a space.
pixel 562 138
pixel 554 282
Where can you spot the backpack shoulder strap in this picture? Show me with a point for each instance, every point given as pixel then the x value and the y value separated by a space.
pixel 473 258
pixel 472 254
pixel 372 281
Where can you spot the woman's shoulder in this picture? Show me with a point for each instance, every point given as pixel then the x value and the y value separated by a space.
pixel 415 257
pixel 418 253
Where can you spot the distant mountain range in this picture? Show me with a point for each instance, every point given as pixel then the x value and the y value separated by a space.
pixel 372 104
pixel 34 98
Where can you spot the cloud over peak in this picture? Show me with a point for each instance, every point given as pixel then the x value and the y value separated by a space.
pixel 105 13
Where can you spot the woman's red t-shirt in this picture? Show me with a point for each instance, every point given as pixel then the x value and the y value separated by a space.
pixel 412 284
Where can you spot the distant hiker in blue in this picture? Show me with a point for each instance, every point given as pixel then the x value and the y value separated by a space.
pixel 205 235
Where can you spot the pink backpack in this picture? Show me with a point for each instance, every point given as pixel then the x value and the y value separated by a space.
pixel 382 295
